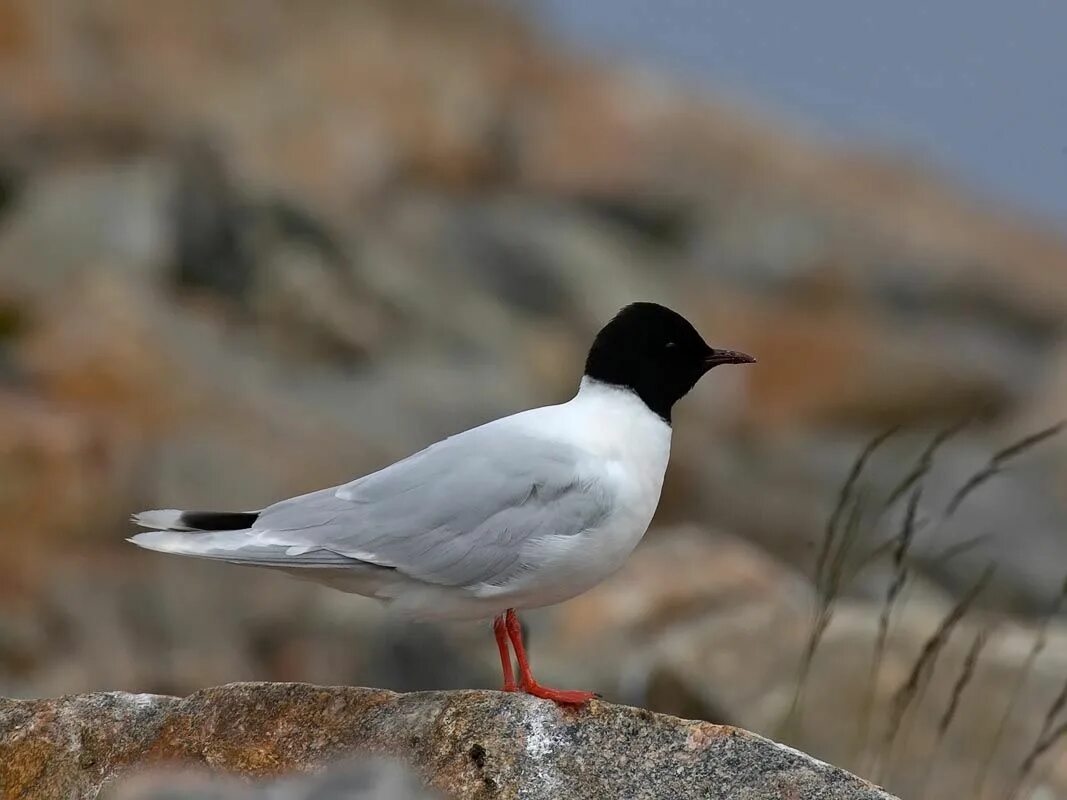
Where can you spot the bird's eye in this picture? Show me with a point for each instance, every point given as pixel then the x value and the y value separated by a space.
pixel 669 345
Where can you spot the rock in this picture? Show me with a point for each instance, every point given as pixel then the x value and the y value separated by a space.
pixel 363 779
pixel 697 624
pixel 779 494
pixel 1021 497
pixel 207 411
pixel 67 224
pixel 57 468
pixel 1044 407
pixel 208 226
pixel 826 365
pixel 132 621
pixel 705 625
pixel 463 744
pixel 482 102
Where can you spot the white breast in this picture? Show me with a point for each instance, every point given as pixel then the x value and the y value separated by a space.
pixel 628 447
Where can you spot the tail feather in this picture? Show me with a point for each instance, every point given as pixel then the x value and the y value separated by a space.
pixel 171 519
pixel 163 519
pixel 227 536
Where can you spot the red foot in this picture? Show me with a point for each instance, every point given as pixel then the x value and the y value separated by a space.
pixel 513 630
pixel 566 697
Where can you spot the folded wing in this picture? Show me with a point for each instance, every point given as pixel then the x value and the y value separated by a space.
pixel 459 513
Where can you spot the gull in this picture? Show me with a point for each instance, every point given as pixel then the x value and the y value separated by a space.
pixel 522 512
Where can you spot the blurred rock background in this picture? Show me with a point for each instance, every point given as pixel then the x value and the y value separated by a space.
pixel 251 249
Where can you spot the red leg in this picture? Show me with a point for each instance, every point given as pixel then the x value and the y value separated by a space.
pixel 528 684
pixel 501 632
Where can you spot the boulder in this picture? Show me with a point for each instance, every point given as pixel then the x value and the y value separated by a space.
pixel 44 445
pixel 360 779
pixel 697 624
pixel 705 625
pixel 468 744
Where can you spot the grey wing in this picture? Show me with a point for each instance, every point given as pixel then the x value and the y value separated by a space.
pixel 456 514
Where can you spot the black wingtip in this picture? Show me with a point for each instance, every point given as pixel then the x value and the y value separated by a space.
pixel 218 520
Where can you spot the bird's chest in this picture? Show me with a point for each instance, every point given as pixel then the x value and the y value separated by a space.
pixel 636 485
pixel 631 452
pixel 629 472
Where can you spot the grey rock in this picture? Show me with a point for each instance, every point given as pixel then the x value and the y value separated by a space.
pixel 781 496
pixel 363 779
pixel 70 223
pixel 705 625
pixel 464 744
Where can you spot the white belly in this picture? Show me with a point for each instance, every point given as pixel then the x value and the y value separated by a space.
pixel 574 565
pixel 561 567
pixel 628 449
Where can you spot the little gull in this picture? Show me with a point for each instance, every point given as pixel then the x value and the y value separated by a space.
pixel 522 512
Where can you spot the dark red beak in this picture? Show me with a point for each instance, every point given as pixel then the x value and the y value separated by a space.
pixel 717 357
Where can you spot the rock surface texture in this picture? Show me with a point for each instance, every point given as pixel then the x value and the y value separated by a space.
pixel 359 779
pixel 471 744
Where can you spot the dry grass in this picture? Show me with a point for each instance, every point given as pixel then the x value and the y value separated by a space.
pixel 835 567
pixel 997 462
pixel 924 463
pixel 1043 744
pixel 831 534
pixel 924 666
pixel 901 545
pixel 839 538
pixel 963 679
pixel 1021 677
pixel 1049 735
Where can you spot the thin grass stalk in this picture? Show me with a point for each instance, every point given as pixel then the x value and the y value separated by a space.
pixel 901 545
pixel 924 463
pixel 832 584
pixel 1042 745
pixel 966 674
pixel 871 556
pixel 1047 724
pixel 829 566
pixel 926 662
pixel 954 551
pixel 836 579
pixel 1036 648
pixel 970 663
pixel 844 497
pixel 1041 778
pixel 997 461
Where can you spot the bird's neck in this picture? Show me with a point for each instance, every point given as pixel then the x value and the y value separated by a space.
pixel 617 408
pixel 615 399
pixel 616 424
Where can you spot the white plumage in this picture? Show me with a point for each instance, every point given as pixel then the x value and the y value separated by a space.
pixel 522 512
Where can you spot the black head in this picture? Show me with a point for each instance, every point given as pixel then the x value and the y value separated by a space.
pixel 655 352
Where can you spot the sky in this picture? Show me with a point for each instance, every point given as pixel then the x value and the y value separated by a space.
pixel 977 88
